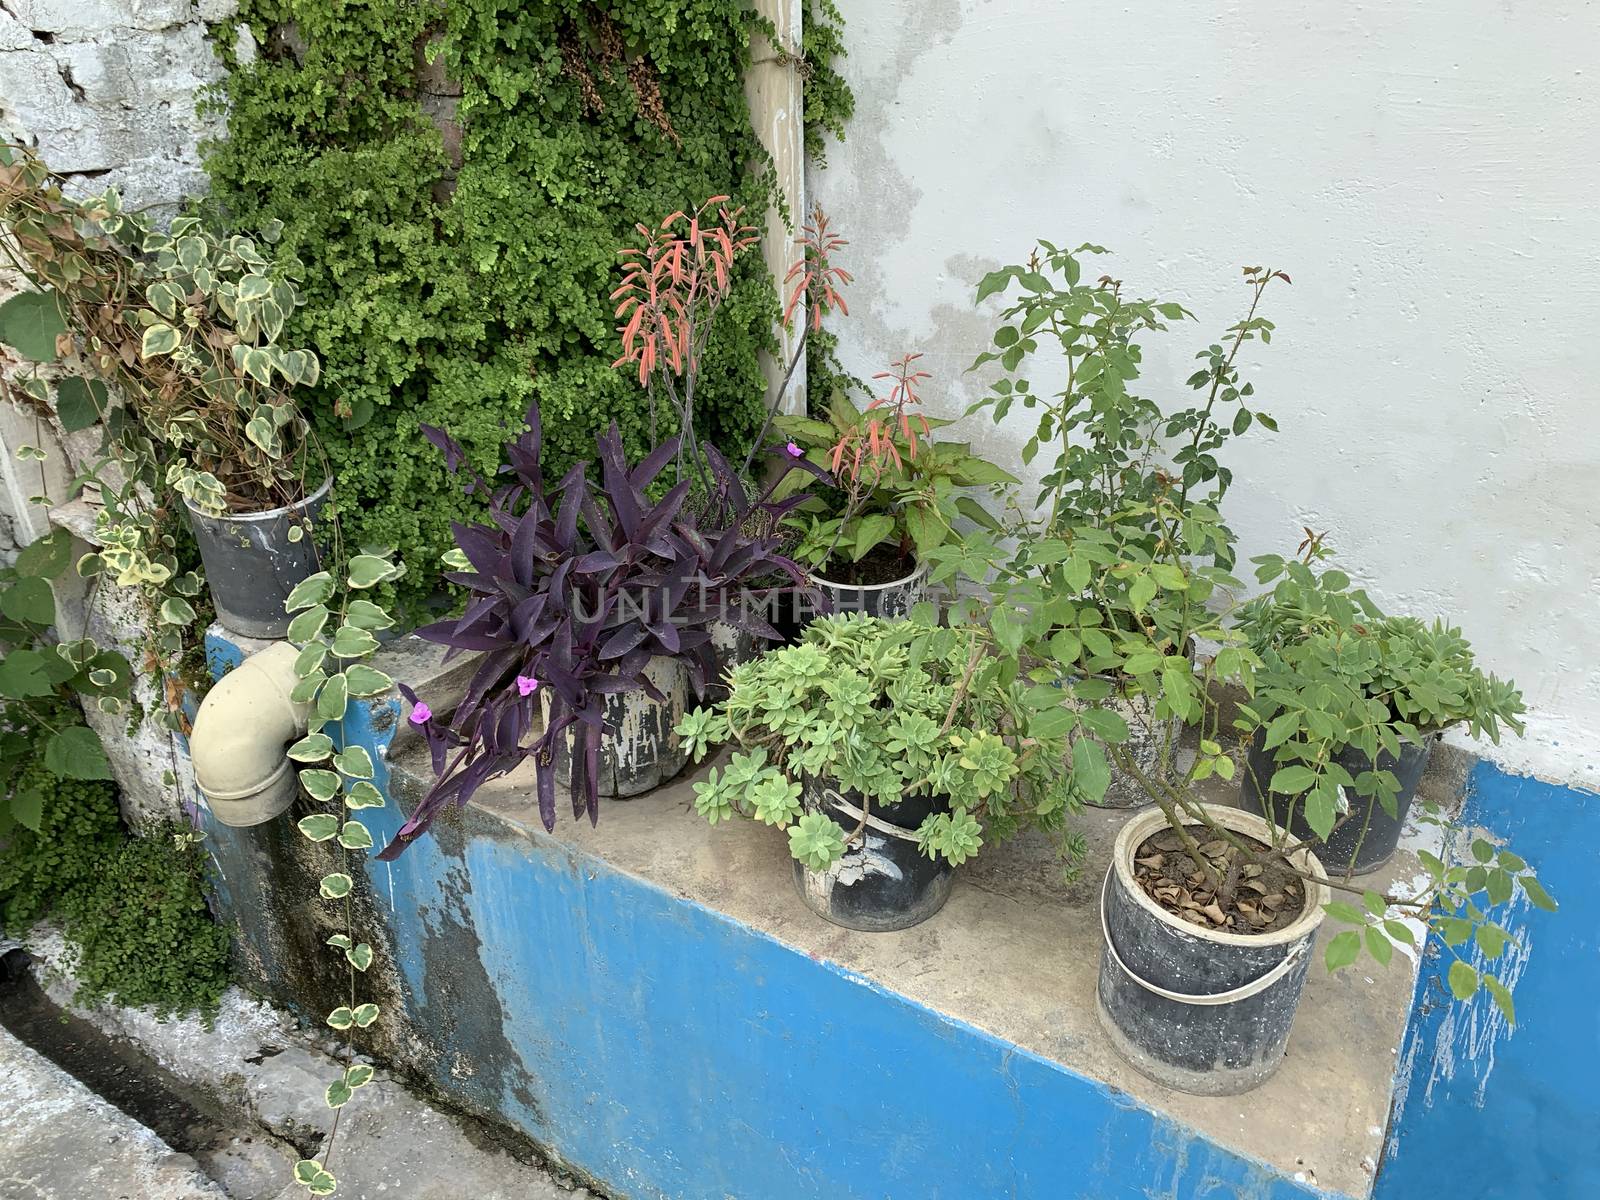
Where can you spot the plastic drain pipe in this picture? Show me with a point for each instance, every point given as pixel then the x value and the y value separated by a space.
pixel 240 733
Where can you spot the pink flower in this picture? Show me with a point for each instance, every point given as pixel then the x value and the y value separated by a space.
pixel 421 714
pixel 527 685
pixel 793 451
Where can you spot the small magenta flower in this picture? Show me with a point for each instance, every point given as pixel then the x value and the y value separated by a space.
pixel 421 714
pixel 793 450
pixel 527 685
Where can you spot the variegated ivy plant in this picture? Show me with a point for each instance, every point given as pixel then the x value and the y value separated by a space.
pixel 169 340
pixel 335 630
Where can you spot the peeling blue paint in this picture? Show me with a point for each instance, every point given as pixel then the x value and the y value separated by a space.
pixel 1484 1112
pixel 665 1050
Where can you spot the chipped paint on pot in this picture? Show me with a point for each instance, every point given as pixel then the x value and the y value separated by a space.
pixel 893 599
pixel 639 750
pixel 882 881
pixel 1203 1011
pixel 251 565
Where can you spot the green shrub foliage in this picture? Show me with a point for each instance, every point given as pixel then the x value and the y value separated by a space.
pixel 133 910
pixel 450 283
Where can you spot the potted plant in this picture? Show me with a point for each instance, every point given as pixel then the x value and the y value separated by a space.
pixel 1210 912
pixel 889 751
pixel 186 325
pixel 896 495
pixel 1348 705
pixel 591 609
pixel 1114 451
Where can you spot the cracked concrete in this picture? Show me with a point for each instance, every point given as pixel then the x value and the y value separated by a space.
pixel 59 1141
pixel 254 1064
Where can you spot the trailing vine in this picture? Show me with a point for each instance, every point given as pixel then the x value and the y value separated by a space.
pixel 457 179
pixel 332 669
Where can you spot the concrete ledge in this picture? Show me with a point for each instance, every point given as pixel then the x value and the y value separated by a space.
pixel 650 1001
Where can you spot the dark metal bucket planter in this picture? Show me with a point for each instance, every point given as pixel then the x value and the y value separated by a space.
pixel 1201 1011
pixel 892 599
pixel 252 566
pixel 882 881
pixel 639 750
pixel 731 645
pixel 1368 838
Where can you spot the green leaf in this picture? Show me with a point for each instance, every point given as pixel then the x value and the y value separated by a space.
pixel 1502 998
pixel 30 600
pixel 1090 774
pixel 360 956
pixel 80 402
pixel 1106 723
pixel 1170 577
pixel 363 794
pixel 30 323
pixel 75 753
pixel 159 339
pixel 365 1015
pixel 308 624
pixel 1463 980
pixel 1292 780
pixel 362 680
pixel 338 1094
pixel 1536 893
pixel 177 611
pixel 314 747
pixel 355 762
pixel 312 590
pixel 341 1017
pixel 1343 949
pixel 1281 729
pixel 1379 946
pixel 335 886
pixel 310 658
pixel 1491 940
pixel 1141 592
pixel 368 570
pixel 320 785
pixel 1401 932
pixel 355 836
pixel 358 1075
pixel 22 676
pixel 332 698
pixel 47 556
pixel 305 691
pixel 871 530
pixel 319 827
pixel 27 806
pixel 364 614
pixel 339 941
pixel 1348 913
pixel 350 642
pixel 1051 723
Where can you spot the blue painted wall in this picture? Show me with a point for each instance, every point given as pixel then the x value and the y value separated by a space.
pixel 666 1051
pixel 1487 1113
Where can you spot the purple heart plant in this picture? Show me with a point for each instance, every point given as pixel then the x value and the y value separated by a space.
pixel 572 590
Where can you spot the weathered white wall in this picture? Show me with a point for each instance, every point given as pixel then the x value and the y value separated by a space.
pixel 1426 172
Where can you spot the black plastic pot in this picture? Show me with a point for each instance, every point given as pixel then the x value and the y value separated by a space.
pixel 882 881
pixel 252 566
pixel 893 599
pixel 1197 1010
pixel 638 750
pixel 1368 838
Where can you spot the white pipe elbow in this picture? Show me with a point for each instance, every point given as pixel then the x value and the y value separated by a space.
pixel 244 725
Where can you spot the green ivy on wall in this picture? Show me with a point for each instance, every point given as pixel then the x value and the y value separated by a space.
pixel 452 281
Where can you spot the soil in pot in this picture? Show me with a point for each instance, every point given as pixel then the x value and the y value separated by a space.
pixel 1191 1001
pixel 1253 898
pixel 883 564
pixel 883 881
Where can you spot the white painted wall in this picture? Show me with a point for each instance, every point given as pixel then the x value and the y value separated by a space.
pixel 1427 172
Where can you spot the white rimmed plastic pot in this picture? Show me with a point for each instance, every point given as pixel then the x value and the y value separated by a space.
pixel 1200 1011
pixel 893 599
pixel 252 565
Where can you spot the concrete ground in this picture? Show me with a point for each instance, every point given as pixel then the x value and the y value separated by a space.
pixel 59 1141
pixel 1016 952
pixel 256 1071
